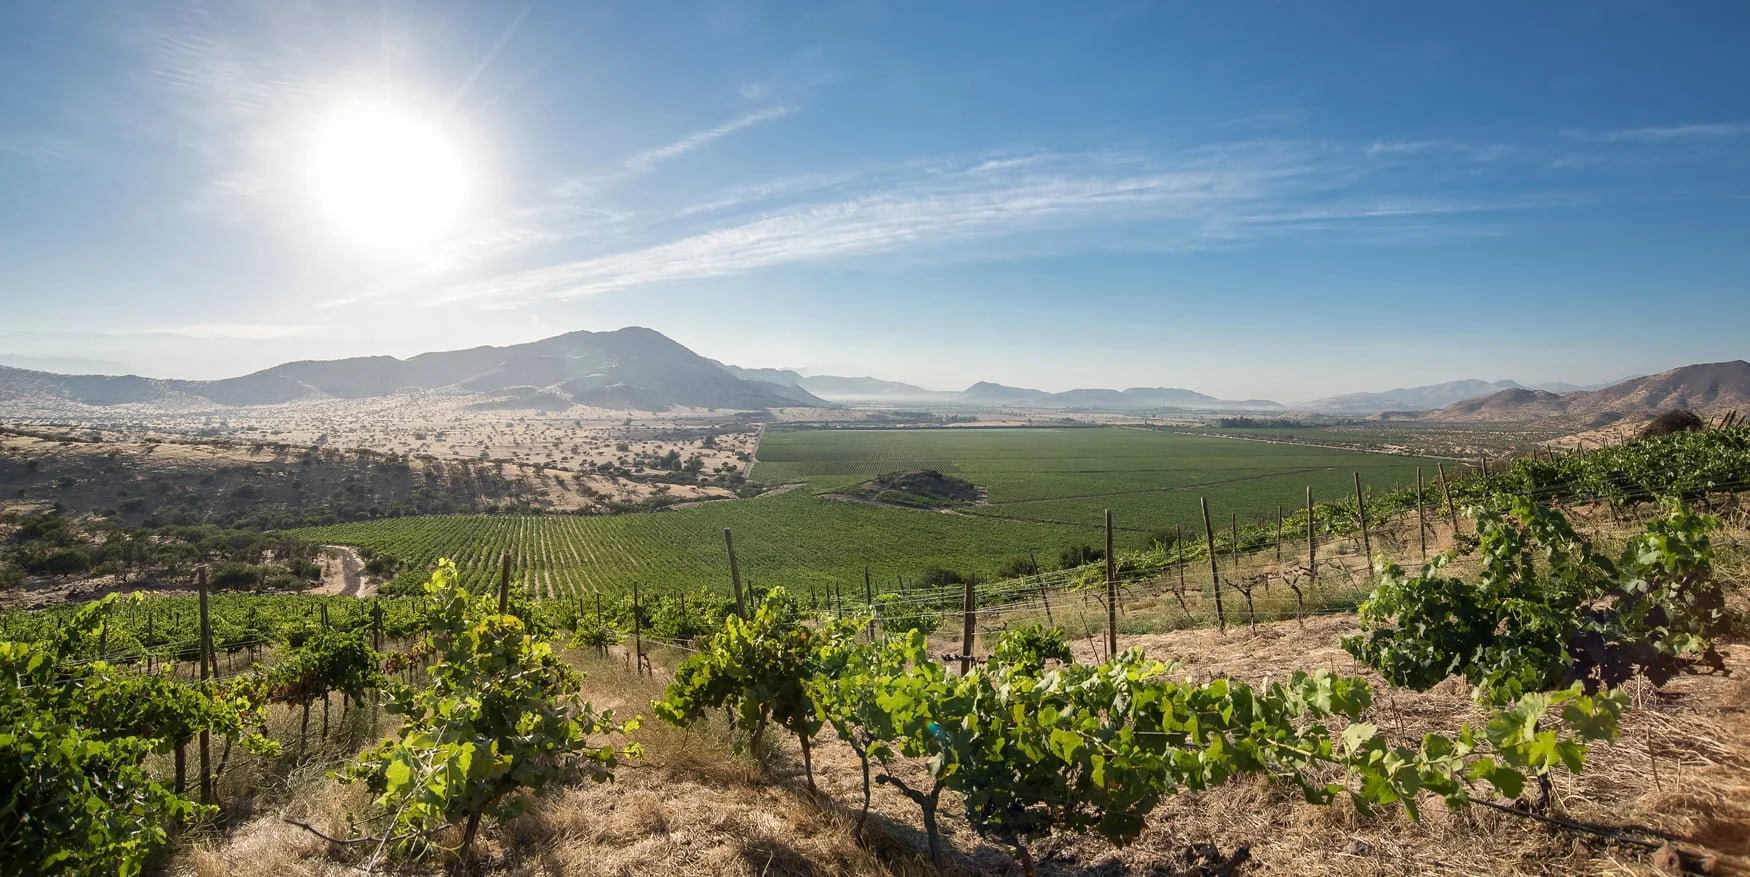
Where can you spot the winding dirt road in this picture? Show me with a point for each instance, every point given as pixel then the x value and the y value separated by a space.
pixel 343 573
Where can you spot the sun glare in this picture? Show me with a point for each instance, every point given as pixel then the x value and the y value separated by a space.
pixel 386 179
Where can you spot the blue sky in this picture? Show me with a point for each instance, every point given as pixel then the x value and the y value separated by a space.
pixel 1278 200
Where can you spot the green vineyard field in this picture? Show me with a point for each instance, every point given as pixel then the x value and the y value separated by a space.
pixel 1047 490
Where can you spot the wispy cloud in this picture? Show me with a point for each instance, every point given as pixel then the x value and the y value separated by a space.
pixel 650 158
pixel 991 205
pixel 1204 198
pixel 1465 150
pixel 786 187
pixel 1710 131
pixel 37 147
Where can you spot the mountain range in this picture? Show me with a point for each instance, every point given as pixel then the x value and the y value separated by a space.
pixel 641 369
pixel 634 368
pixel 985 394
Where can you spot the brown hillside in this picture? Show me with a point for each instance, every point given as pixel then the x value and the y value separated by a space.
pixel 1507 405
pixel 1709 389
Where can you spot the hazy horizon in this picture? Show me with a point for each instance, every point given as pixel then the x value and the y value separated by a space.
pixel 1246 200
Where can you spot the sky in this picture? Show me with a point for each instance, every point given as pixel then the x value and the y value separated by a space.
pixel 1255 200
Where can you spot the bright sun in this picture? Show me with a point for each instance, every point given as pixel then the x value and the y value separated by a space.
pixel 386 179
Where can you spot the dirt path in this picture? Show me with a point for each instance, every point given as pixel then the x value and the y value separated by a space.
pixel 343 573
pixel 753 456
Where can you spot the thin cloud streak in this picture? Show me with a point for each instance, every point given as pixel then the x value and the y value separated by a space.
pixel 1672 133
pixel 648 159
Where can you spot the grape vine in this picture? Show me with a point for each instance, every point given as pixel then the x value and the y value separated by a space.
pixel 1548 609
pixel 500 719
pixel 1031 751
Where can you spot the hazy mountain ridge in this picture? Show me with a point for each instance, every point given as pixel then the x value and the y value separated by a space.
pixel 70 365
pixel 1708 388
pixel 634 368
pixel 1131 399
pixel 1431 396
pixel 836 388
pixel 1407 398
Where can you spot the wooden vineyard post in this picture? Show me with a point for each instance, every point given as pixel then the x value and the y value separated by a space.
pixel 600 625
pixel 1421 518
pixel 1278 534
pixel 1045 597
pixel 869 597
pixel 1179 544
pixel 1111 591
pixel 1312 542
pixel 1214 569
pixel 1446 488
pixel 734 573
pixel 376 626
pixel 503 582
pixel 206 651
pixel 637 635
pixel 1483 465
pixel 969 615
pixel 1361 513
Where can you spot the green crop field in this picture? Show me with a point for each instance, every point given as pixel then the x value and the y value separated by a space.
pixel 1048 489
pixel 1149 478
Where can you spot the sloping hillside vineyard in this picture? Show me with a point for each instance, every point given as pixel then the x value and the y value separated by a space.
pixel 1047 490
pixel 803 539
